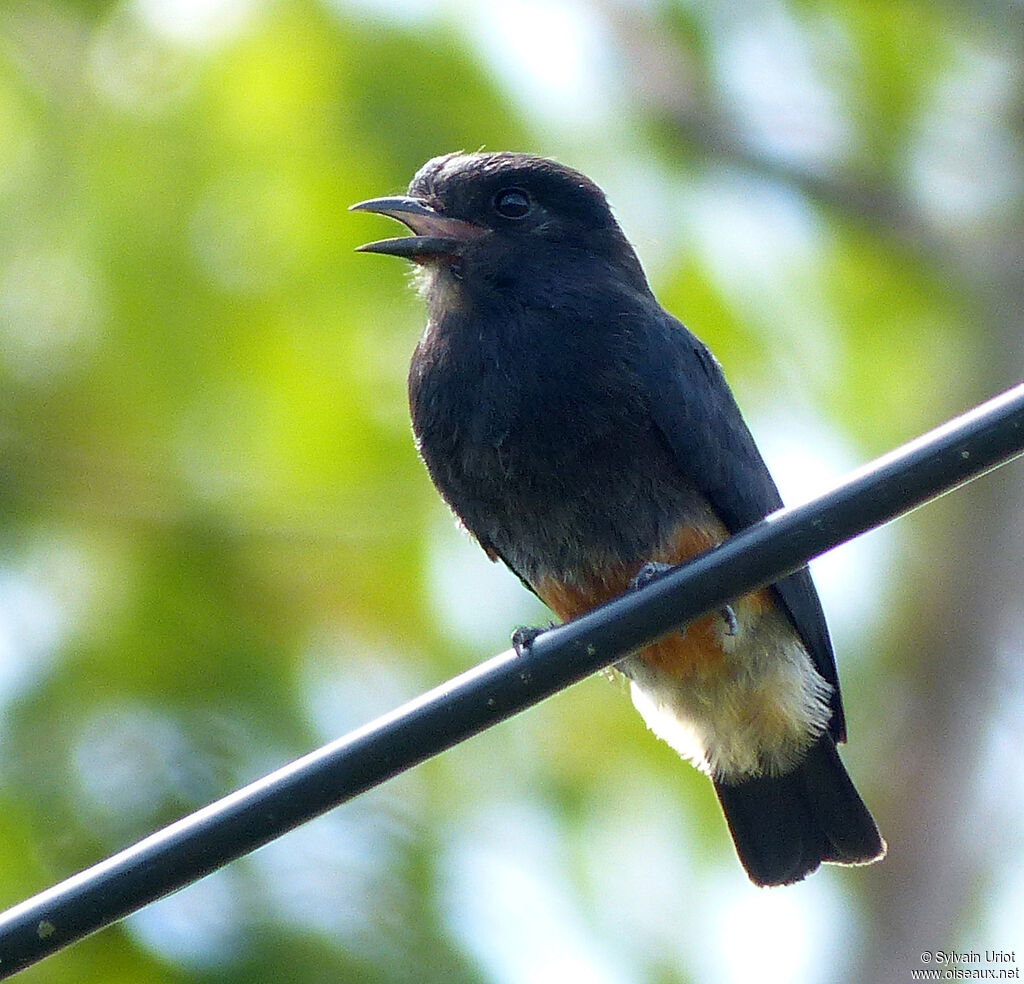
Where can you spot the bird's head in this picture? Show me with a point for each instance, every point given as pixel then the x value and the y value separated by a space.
pixel 495 213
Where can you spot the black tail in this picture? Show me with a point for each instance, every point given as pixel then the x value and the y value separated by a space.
pixel 785 826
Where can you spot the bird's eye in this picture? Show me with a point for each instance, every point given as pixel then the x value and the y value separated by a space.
pixel 512 203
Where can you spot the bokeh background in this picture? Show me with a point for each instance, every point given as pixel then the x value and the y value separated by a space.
pixel 218 549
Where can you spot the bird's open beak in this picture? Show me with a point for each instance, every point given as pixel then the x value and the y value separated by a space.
pixel 434 234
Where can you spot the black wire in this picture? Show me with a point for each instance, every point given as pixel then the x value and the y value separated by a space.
pixel 508 683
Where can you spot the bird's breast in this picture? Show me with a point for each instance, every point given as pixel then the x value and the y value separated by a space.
pixel 542 442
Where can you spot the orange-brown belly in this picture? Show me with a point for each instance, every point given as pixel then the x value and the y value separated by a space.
pixel 696 653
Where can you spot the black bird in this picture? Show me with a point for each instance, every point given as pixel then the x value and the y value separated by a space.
pixel 586 438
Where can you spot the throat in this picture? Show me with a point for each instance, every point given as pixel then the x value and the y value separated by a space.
pixel 441 287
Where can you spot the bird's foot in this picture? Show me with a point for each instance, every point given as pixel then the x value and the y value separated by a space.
pixel 648 574
pixel 732 625
pixel 523 637
pixel 653 570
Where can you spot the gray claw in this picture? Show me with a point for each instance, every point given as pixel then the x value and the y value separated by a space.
pixel 523 637
pixel 732 626
pixel 650 572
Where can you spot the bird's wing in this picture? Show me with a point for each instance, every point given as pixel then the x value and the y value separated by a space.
pixel 695 412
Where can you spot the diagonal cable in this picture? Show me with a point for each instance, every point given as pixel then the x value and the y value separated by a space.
pixel 942 460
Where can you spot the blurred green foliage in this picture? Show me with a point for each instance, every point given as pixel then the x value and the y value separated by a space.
pixel 217 547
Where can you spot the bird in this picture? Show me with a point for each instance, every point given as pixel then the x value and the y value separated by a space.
pixel 584 437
